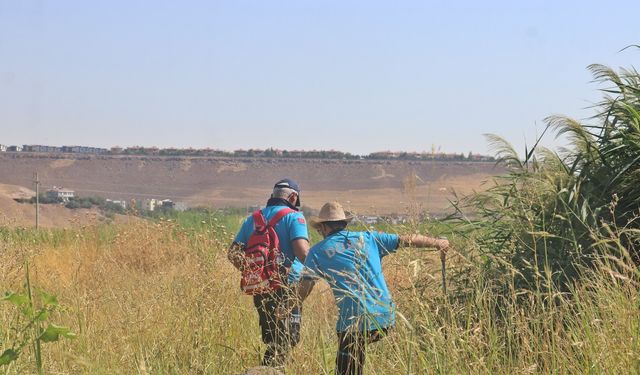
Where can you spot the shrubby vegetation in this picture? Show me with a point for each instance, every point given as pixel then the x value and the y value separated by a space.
pixel 101 203
pixel 557 212
pixel 43 198
pixel 79 202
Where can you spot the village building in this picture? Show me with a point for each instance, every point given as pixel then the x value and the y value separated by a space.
pixel 150 204
pixel 121 203
pixel 83 150
pixel 40 148
pixel 61 194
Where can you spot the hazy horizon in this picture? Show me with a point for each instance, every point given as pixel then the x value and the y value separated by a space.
pixel 435 150
pixel 357 76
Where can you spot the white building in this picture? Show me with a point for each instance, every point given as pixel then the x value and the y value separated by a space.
pixel 61 193
pixel 120 203
pixel 151 204
pixel 3 148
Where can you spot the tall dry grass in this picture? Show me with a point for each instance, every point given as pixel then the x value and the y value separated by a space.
pixel 155 298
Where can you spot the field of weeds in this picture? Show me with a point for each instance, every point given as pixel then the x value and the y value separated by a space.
pixel 160 297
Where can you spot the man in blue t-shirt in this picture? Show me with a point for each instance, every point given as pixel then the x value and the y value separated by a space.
pixel 281 334
pixel 351 263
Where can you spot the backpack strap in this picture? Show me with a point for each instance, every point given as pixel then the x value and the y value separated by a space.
pixel 258 219
pixel 279 215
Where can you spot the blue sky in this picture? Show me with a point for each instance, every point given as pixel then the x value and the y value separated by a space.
pixel 356 76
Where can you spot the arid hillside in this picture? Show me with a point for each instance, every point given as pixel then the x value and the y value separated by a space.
pixel 368 187
pixel 14 214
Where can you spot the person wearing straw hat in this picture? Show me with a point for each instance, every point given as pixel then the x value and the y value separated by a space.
pixel 351 263
pixel 278 332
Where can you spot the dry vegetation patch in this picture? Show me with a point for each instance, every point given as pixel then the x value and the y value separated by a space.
pixel 153 298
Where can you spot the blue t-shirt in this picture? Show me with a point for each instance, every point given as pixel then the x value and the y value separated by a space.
pixel 291 227
pixel 351 263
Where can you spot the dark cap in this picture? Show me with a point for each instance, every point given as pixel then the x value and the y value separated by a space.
pixel 287 183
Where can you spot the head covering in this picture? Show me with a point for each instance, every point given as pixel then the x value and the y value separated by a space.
pixel 287 183
pixel 331 211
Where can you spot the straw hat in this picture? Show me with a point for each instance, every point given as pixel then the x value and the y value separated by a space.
pixel 331 211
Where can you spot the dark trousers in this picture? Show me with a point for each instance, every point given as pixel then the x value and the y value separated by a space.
pixel 280 335
pixel 352 350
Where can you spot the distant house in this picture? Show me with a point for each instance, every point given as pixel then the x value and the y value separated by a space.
pixel 83 150
pixel 3 148
pixel 61 194
pixel 14 148
pixel 121 203
pixel 150 204
pixel 167 203
pixel 40 148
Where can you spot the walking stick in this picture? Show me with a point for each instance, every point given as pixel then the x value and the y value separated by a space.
pixel 443 268
pixel 443 262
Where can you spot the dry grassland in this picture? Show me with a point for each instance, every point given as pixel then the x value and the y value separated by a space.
pixel 152 298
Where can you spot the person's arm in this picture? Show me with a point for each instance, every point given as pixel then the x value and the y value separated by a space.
pixel 300 248
pixel 419 240
pixel 300 292
pixel 303 289
pixel 235 255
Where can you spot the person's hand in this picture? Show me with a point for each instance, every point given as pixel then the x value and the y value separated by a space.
pixel 443 245
pixel 236 257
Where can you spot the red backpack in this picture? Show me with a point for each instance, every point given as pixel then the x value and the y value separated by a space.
pixel 263 258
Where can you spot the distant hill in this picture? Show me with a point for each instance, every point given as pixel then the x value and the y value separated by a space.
pixel 366 186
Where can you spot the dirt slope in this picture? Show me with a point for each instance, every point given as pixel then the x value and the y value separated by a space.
pixel 14 214
pixel 369 186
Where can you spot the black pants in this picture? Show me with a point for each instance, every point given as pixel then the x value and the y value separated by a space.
pixel 280 335
pixel 351 350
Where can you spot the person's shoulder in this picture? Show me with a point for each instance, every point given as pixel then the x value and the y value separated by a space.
pixel 315 247
pixel 248 219
pixel 292 212
pixel 296 218
pixel 312 255
pixel 318 246
pixel 357 235
pixel 373 236
pixel 245 229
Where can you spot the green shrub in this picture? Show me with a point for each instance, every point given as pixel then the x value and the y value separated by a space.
pixel 555 213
